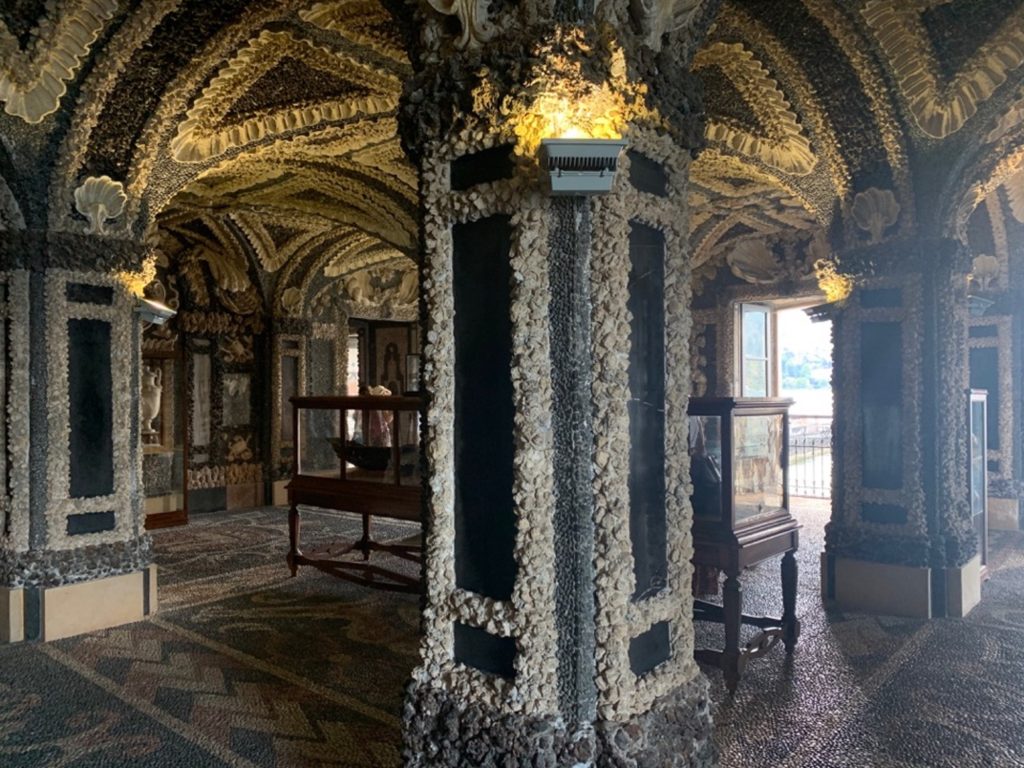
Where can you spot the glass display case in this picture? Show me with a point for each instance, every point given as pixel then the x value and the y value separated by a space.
pixel 163 431
pixel 978 468
pixel 738 461
pixel 356 454
pixel 739 468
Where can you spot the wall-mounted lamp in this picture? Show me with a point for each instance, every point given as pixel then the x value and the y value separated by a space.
pixel 155 312
pixel 581 166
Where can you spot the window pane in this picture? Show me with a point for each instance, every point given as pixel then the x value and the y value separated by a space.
pixel 755 333
pixel 755 378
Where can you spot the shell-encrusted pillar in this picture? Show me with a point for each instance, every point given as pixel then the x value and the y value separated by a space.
pixel 900 541
pixel 73 553
pixel 557 621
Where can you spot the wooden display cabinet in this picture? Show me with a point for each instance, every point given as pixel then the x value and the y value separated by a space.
pixel 739 466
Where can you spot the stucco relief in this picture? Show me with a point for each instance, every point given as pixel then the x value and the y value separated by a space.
pixel 208 131
pixel 33 80
pixel 785 145
pixel 940 109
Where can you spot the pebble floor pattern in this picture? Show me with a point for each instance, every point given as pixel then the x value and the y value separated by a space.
pixel 245 666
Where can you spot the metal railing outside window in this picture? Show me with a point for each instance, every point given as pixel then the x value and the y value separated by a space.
pixel 810 456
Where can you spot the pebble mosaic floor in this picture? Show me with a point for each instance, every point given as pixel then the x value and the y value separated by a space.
pixel 245 666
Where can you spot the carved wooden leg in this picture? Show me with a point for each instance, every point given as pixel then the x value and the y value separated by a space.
pixel 732 604
pixel 294 523
pixel 790 623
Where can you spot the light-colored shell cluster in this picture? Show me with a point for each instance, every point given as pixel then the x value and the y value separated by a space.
pixel 121 317
pixel 15 316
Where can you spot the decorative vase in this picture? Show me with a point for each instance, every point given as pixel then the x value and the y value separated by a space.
pixel 152 391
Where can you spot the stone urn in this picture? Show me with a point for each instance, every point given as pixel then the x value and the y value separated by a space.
pixel 152 391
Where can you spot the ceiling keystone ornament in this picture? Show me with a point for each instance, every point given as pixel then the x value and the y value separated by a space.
pixel 33 81
pixel 785 145
pixel 940 107
pixel 875 210
pixel 100 199
pixel 656 18
pixel 754 262
pixel 477 29
pixel 212 126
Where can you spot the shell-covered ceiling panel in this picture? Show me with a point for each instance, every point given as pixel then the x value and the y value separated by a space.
pixel 274 121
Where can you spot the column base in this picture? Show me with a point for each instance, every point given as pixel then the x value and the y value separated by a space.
pixel 440 732
pixel 864 586
pixel 1003 514
pixel 51 613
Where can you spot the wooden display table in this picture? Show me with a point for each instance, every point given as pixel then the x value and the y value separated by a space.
pixel 739 467
pixel 751 547
pixel 393 491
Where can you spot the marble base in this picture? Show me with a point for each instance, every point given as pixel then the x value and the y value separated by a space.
pixel 51 613
pixel 863 586
pixel 442 733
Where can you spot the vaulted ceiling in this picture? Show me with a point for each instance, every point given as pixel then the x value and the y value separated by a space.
pixel 260 136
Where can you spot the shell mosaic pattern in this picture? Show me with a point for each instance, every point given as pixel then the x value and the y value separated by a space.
pixel 621 693
pixel 59 503
pixel 14 316
pixel 1001 342
pixel 528 616
pixel 848 470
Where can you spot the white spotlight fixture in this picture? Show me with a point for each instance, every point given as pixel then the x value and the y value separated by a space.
pixel 154 312
pixel 581 166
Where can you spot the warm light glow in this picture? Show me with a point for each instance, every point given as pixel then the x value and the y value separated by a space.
pixel 136 282
pixel 834 284
pixel 566 98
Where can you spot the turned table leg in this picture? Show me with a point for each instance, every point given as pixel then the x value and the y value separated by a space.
pixel 732 604
pixel 294 523
pixel 790 624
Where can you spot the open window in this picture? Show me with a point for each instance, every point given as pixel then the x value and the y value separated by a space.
pixel 757 358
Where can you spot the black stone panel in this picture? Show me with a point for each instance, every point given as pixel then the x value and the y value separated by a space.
pixel 648 650
pixel 83 293
pixel 983 332
pixel 90 389
pixel 985 375
pixel 879 298
pixel 482 167
pixel 885 514
pixel 881 375
pixel 91 522
pixel 646 408
pixel 207 500
pixel 646 175
pixel 485 524
pixel 481 650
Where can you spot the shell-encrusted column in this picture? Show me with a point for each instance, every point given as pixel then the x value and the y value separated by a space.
pixel 557 622
pixel 74 556
pixel 901 512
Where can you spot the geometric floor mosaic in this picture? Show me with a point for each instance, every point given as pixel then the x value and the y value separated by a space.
pixel 245 666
